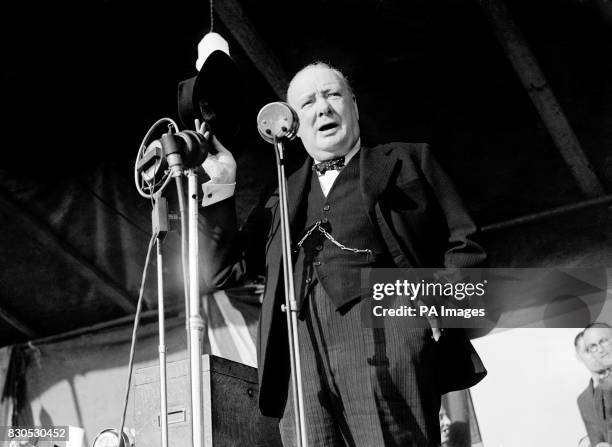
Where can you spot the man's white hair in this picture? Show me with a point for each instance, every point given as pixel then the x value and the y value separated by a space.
pixel 320 64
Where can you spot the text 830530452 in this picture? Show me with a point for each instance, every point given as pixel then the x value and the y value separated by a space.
pixel 54 433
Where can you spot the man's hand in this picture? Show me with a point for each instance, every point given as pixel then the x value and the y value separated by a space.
pixel 220 167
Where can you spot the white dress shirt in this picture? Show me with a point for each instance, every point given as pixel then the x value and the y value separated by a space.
pixel 329 177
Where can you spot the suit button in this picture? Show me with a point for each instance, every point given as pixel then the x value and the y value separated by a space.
pixel 326 208
pixel 317 263
pixel 319 247
pixel 308 280
pixel 324 220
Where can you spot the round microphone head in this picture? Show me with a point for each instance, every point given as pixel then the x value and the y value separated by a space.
pixel 277 120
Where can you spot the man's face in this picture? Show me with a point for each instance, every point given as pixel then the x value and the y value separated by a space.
pixel 598 341
pixel 589 360
pixel 445 424
pixel 329 121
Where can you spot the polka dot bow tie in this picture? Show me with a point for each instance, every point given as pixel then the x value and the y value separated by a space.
pixel 334 163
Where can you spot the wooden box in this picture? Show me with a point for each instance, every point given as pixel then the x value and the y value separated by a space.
pixel 231 414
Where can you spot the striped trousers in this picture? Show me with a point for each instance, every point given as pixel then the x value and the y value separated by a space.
pixel 363 386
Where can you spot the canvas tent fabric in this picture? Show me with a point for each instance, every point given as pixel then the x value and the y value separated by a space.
pixel 7 400
pixel 73 245
pixel 81 381
pixel 56 232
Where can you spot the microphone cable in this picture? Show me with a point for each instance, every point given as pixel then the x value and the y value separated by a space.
pixel 133 343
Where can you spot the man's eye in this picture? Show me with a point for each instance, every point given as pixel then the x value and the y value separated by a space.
pixel 335 94
pixel 306 103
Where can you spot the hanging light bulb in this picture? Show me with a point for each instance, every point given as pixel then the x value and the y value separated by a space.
pixel 209 43
pixel 215 95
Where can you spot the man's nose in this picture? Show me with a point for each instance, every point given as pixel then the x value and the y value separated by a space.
pixel 323 107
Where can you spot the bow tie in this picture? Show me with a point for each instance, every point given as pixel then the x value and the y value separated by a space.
pixel 334 163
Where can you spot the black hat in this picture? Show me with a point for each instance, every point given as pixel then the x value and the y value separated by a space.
pixel 215 95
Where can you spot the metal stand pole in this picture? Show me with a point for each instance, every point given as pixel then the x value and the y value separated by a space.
pixel 185 265
pixel 162 346
pixel 290 306
pixel 196 323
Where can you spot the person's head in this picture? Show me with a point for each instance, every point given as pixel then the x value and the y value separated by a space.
pixel 588 359
pixel 598 342
pixel 445 424
pixel 327 110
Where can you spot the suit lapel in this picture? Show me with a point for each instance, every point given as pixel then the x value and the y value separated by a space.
pixel 375 168
pixel 296 184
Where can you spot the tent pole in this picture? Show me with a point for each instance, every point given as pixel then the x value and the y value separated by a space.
pixel 528 70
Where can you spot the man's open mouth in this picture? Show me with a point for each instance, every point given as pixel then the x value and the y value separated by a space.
pixel 327 126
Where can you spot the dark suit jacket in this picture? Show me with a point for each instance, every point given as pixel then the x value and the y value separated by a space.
pixel 406 195
pixel 591 409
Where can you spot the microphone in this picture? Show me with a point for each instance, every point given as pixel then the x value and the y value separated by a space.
pixel 150 162
pixel 276 121
pixel 173 150
pixel 186 148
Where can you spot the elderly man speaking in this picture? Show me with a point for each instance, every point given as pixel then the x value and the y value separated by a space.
pixel 390 206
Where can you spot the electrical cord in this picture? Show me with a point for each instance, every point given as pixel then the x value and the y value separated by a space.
pixel 134 331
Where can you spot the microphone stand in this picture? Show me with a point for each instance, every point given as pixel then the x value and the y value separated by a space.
pixel 277 122
pixel 290 306
pixel 196 323
pixel 189 146
pixel 163 392
pixel 146 163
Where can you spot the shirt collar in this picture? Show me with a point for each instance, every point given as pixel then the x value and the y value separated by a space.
pixel 350 153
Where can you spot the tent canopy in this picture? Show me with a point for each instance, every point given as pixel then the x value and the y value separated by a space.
pixel 82 86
